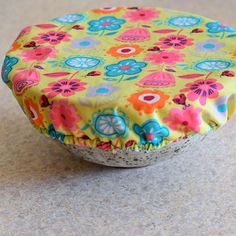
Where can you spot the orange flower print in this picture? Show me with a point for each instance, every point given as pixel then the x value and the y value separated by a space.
pixel 125 50
pixel 14 47
pixel 234 54
pixel 107 10
pixel 32 110
pixel 148 100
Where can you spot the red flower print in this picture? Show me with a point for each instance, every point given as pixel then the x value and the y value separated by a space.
pixel 65 87
pixel 64 115
pixel 184 120
pixel 39 53
pixel 106 146
pixel 130 143
pixel 52 37
pixel 175 41
pixel 142 14
pixel 166 57
pixel 202 89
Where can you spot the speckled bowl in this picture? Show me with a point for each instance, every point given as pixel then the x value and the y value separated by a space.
pixel 131 158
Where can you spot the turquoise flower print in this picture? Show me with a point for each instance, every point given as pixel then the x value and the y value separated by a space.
pixel 184 21
pixel 82 62
pixel 151 132
pixel 217 27
pixel 125 67
pixel 55 134
pixel 70 18
pixel 110 123
pixel 212 65
pixel 106 23
pixel 8 64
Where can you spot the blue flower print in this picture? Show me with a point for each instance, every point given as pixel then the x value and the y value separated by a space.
pixel 110 123
pixel 70 18
pixel 125 67
pixel 212 65
pixel 55 134
pixel 217 27
pixel 184 21
pixel 82 62
pixel 106 23
pixel 151 132
pixel 8 64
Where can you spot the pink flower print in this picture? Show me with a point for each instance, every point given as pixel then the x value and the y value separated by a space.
pixel 166 57
pixel 142 14
pixel 202 89
pixel 25 79
pixel 39 53
pixel 184 120
pixel 175 41
pixel 134 35
pixel 64 115
pixel 160 79
pixel 52 37
pixel 65 87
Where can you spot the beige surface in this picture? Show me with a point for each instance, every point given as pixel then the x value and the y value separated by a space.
pixel 46 191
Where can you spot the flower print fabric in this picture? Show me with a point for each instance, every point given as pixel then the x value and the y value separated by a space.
pixel 106 23
pixel 102 90
pixel 167 57
pixel 52 37
pixel 202 89
pixel 217 27
pixel 148 100
pixel 209 45
pixel 151 132
pixel 32 109
pixel 134 35
pixel 65 87
pixel 8 64
pixel 124 77
pixel 70 18
pixel 23 79
pixel 142 14
pixel 125 50
pixel 40 53
pixel 86 43
pixel 64 115
pixel 125 67
pixel 184 120
pixel 175 41
pixel 160 79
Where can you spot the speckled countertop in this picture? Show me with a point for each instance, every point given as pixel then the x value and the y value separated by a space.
pixel 44 190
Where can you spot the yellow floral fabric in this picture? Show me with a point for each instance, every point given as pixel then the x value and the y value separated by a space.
pixel 124 77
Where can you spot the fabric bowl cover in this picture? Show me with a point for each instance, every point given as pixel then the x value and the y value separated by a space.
pixel 124 79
